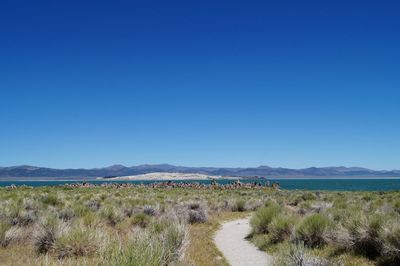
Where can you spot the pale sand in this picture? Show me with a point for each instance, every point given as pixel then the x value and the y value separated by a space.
pixel 170 176
pixel 230 240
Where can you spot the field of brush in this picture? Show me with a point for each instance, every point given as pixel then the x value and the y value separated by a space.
pixel 175 226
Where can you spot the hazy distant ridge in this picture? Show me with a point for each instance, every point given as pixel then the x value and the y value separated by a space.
pixel 120 170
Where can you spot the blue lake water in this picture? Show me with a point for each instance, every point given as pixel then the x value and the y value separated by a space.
pixel 333 184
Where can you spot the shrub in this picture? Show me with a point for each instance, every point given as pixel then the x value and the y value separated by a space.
pixel 193 206
pixel 66 215
pixel 263 217
pixel 253 205
pixel 76 243
pixel 93 205
pixel 174 238
pixel 313 230
pixel 309 196
pixel 341 239
pixel 197 216
pixel 90 220
pixel 391 245
pixel 137 252
pixel 239 206
pixel 149 249
pixel 29 205
pixel 24 219
pixel 320 207
pixel 396 206
pixel 294 201
pixel 340 203
pixel 141 219
pixel 151 211
pixel 128 212
pixel 14 210
pixel 45 237
pixel 159 226
pixel 281 228
pixel 3 229
pixel 80 210
pixel 305 206
pixel 296 255
pixel 302 211
pixel 367 197
pixel 365 233
pixel 51 199
pixel 111 216
pixel 14 233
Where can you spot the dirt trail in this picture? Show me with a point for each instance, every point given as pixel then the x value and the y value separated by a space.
pixel 230 240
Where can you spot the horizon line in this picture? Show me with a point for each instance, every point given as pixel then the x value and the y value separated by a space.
pixel 159 164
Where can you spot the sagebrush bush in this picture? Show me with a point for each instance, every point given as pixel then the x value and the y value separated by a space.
pixel 80 210
pixel 76 243
pixel 396 206
pixel 137 252
pixel 141 219
pixel 262 218
pixel 111 215
pixel 149 210
pixel 149 249
pixel 314 229
pixel 4 226
pixel 92 220
pixel 239 206
pixel 29 205
pixel 193 205
pixel 282 228
pixel 308 196
pixel 159 226
pixel 93 205
pixel 24 219
pixel 175 240
pixel 253 205
pixel 14 234
pixel 45 237
pixel 128 212
pixel 51 199
pixel 66 215
pixel 340 203
pixel 390 236
pixel 14 210
pixel 197 216
pixel 365 233
pixel 296 255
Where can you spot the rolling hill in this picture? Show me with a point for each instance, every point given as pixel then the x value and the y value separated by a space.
pixel 25 171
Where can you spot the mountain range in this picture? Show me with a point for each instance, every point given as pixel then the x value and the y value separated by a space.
pixel 33 172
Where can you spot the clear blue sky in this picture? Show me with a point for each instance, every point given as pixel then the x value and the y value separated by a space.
pixel 200 83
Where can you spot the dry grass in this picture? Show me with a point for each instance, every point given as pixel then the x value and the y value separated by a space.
pixel 355 221
pixel 347 258
pixel 334 228
pixel 202 250
pixel 25 255
pixel 93 226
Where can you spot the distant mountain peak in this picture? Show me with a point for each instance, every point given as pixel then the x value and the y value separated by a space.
pixel 116 167
pixel 264 167
pixel 27 167
pixel 121 170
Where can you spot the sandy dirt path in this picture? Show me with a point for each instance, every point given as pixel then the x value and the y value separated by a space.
pixel 230 240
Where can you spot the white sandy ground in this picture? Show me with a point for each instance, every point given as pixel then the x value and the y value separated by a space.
pixel 230 240
pixel 171 176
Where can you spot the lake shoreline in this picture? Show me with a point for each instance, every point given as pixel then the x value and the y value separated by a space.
pixel 83 179
pixel 359 184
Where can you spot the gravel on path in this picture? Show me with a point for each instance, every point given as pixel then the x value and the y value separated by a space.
pixel 230 240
